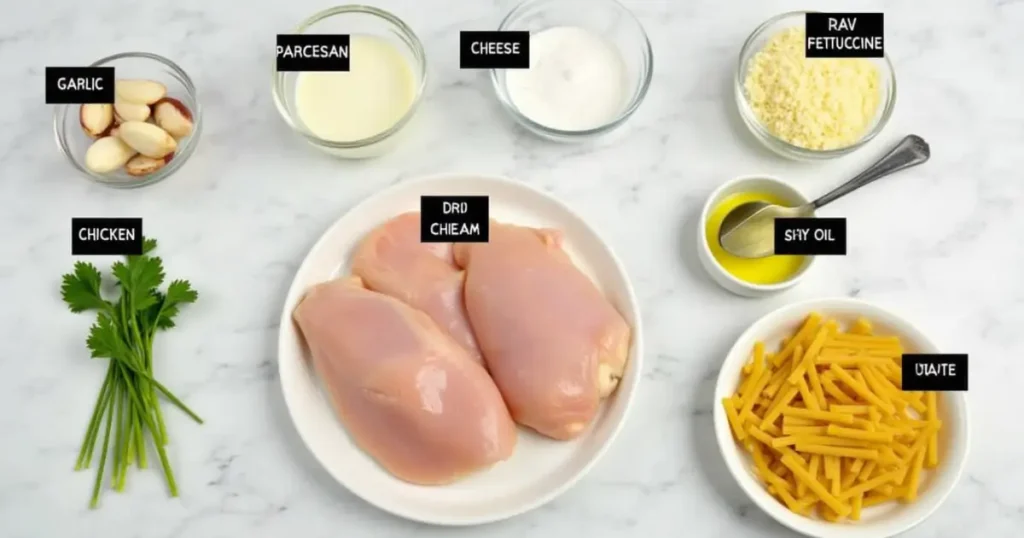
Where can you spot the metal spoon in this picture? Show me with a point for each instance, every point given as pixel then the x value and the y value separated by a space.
pixel 748 231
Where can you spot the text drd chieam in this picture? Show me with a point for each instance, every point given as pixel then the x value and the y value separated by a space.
pixel 456 219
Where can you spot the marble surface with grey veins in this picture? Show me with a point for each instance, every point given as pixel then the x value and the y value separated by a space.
pixel 941 244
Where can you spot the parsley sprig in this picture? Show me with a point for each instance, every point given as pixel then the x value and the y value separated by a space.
pixel 127 409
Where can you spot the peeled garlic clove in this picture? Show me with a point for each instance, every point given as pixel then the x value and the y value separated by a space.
pixel 107 154
pixel 147 139
pixel 125 111
pixel 96 118
pixel 139 91
pixel 173 116
pixel 140 165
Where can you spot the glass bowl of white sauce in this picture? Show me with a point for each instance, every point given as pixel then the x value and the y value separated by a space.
pixel 590 68
pixel 356 113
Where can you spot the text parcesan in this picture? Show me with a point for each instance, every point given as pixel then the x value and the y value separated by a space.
pixel 312 51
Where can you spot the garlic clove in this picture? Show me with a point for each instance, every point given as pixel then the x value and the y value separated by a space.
pixel 173 116
pixel 140 165
pixel 107 154
pixel 147 139
pixel 125 111
pixel 96 118
pixel 139 91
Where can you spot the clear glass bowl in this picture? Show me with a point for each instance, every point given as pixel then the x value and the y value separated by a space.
pixel 355 19
pixel 607 18
pixel 754 44
pixel 73 142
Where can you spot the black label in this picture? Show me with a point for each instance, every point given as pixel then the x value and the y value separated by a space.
pixel 845 35
pixel 107 236
pixel 810 236
pixel 938 372
pixel 79 85
pixel 312 52
pixel 456 219
pixel 494 50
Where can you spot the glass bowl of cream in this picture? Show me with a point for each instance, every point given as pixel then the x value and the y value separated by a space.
pixel 590 68
pixel 357 113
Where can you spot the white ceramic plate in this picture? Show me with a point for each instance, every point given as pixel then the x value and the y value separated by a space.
pixel 880 521
pixel 540 469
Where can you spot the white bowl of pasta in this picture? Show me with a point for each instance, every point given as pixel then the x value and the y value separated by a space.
pixel 813 423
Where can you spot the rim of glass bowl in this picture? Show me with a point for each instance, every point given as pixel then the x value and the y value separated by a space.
pixel 781 146
pixel 638 96
pixel 180 156
pixel 410 38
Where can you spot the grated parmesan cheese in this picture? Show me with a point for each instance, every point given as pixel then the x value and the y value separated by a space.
pixel 813 103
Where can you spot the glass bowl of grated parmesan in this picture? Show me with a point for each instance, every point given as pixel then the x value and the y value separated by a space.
pixel 809 108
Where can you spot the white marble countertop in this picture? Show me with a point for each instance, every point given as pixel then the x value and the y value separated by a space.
pixel 940 243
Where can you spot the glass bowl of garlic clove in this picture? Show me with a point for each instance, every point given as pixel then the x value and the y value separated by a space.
pixel 146 135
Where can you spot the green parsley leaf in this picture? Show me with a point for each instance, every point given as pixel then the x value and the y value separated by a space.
pixel 81 289
pixel 104 340
pixel 138 276
pixel 178 292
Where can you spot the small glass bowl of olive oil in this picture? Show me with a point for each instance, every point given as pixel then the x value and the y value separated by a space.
pixel 745 276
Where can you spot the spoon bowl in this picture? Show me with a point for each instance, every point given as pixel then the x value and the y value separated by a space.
pixel 748 231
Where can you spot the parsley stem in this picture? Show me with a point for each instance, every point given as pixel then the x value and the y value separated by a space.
pixel 94 424
pixel 103 458
pixel 161 453
pixel 118 435
pixel 140 445
pixel 166 392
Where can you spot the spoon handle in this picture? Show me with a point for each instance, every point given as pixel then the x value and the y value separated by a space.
pixel 911 151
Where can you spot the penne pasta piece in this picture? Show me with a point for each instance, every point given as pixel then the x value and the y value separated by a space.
pixel 869 485
pixel 867 471
pixel 856 503
pixel 824 416
pixel 811 354
pixel 809 327
pixel 853 433
pixel 861 390
pixel 833 390
pixel 776 410
pixel 734 419
pixel 788 429
pixel 862 327
pixel 812 484
pixel 758 358
pixel 805 394
pixel 748 400
pixel 853 474
pixel 849 409
pixel 845 451
pixel 931 461
pixel 849 361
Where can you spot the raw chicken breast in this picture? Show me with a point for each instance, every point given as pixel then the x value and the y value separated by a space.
pixel 392 260
pixel 554 345
pixel 408 395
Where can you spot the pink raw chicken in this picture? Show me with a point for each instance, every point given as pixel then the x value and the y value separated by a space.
pixel 553 343
pixel 392 260
pixel 406 392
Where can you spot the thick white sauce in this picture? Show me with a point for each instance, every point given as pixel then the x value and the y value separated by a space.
pixel 577 80
pixel 371 97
